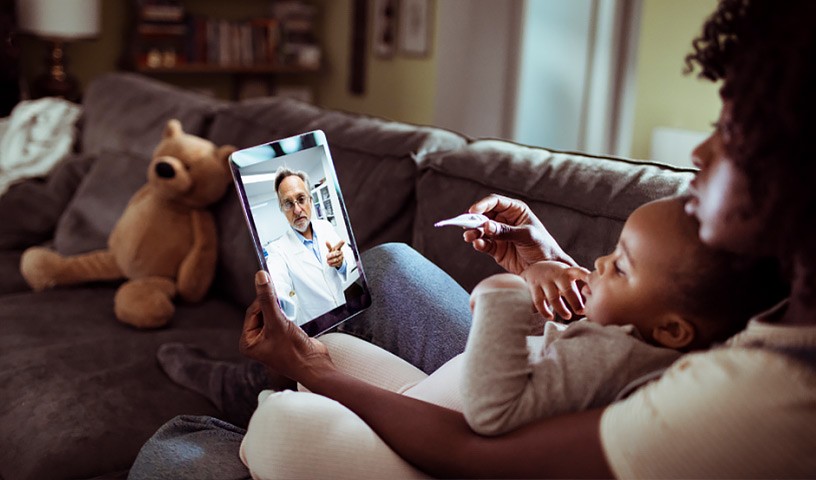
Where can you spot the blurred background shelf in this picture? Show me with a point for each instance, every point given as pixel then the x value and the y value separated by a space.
pixel 238 69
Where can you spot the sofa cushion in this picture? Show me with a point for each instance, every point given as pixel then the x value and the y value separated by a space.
pixel 571 193
pixel 376 162
pixel 99 202
pixel 127 112
pixel 82 392
pixel 30 209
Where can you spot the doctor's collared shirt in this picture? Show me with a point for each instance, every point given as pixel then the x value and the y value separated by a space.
pixel 314 246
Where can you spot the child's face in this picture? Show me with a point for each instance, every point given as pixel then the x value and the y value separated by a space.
pixel 633 284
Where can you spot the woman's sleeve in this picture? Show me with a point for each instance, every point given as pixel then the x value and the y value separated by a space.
pixel 725 413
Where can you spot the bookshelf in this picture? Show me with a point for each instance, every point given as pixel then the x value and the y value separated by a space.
pixel 170 41
pixel 323 202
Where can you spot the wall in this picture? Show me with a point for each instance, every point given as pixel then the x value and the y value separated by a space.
pixel 665 97
pixel 400 88
pixel 476 72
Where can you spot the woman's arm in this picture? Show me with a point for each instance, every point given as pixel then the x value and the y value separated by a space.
pixel 434 439
pixel 439 441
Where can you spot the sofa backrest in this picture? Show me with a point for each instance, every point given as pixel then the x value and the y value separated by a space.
pixel 126 112
pixel 376 160
pixel 583 200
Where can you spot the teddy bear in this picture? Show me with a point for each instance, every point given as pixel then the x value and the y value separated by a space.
pixel 164 244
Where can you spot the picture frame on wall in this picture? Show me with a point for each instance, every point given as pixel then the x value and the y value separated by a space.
pixel 385 28
pixel 414 27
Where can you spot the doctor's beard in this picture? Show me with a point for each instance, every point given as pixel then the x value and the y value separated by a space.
pixel 302 224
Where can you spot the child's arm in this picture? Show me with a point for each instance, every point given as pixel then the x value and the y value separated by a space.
pixel 556 288
pixel 583 365
pixel 496 371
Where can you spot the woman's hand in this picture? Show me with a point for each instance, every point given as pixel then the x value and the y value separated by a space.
pixel 269 337
pixel 514 237
pixel 555 288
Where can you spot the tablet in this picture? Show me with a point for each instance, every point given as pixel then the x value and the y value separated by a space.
pixel 300 230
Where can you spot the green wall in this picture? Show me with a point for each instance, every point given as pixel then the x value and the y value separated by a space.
pixel 400 88
pixel 665 97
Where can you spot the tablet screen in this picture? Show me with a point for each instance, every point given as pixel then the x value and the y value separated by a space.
pixel 301 233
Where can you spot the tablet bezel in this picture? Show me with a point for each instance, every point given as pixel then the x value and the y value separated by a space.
pixel 357 299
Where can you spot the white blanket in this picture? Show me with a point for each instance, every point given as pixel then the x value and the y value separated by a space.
pixel 37 135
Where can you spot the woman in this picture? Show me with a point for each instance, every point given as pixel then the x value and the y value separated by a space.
pixel 744 410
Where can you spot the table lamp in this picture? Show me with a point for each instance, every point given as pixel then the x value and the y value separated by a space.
pixel 58 21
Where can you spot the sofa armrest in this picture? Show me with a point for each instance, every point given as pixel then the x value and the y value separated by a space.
pixel 30 210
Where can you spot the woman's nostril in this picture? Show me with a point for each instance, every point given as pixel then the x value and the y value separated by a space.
pixel 165 170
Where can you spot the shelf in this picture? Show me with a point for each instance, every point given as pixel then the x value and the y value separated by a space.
pixel 237 69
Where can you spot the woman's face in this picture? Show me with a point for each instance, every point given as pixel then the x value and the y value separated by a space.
pixel 720 200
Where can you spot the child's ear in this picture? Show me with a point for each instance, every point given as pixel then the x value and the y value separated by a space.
pixel 673 331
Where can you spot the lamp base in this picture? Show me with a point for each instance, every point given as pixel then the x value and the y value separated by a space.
pixel 56 82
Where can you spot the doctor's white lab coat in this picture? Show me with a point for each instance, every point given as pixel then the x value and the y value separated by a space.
pixel 307 288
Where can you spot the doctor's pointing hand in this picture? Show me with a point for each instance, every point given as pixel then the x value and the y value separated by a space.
pixel 335 256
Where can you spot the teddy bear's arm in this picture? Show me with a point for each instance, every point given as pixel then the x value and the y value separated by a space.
pixel 198 267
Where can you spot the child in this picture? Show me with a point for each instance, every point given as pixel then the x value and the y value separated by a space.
pixel 660 293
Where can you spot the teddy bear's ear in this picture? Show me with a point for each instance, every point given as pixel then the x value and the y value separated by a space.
pixel 173 129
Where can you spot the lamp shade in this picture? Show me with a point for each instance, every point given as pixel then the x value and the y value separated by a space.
pixel 59 19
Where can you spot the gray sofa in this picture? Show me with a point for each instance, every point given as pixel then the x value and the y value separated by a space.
pixel 80 392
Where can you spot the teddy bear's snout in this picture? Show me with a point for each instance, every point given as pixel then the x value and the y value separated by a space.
pixel 165 170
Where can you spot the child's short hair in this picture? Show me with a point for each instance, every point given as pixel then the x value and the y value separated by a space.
pixel 720 291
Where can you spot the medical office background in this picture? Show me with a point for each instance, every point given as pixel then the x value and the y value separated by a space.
pixel 600 76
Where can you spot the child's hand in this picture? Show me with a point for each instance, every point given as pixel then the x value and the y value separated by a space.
pixel 555 288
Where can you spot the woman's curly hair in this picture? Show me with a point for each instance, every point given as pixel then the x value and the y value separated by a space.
pixel 764 51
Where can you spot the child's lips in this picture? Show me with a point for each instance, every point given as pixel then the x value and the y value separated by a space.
pixel 585 290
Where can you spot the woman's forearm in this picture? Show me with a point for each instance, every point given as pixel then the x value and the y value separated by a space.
pixel 439 442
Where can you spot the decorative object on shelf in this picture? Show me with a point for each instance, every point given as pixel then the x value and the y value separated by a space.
pixel 414 27
pixel 58 22
pixel 161 32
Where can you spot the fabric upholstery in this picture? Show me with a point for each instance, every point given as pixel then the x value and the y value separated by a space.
pixel 128 112
pixel 82 392
pixel 582 200
pixel 30 210
pixel 98 203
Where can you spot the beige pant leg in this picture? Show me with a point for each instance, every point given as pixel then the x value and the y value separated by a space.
pixel 301 435
pixel 370 363
pixel 295 435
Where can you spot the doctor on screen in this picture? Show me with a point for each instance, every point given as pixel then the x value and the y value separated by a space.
pixel 309 263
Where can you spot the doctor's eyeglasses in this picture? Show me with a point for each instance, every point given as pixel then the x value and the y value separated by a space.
pixel 301 201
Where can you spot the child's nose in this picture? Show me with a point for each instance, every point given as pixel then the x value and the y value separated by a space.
pixel 599 264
